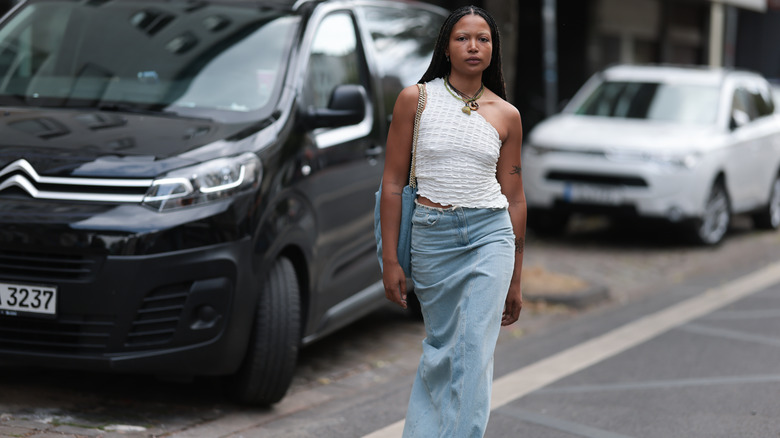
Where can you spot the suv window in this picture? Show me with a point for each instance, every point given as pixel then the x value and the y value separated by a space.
pixel 744 102
pixel 334 59
pixel 682 103
pixel 763 102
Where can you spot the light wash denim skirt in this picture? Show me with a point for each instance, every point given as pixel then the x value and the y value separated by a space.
pixel 462 264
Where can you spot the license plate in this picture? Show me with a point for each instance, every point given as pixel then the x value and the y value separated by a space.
pixel 28 299
pixel 592 194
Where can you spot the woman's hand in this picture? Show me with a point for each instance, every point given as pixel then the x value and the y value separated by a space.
pixel 514 303
pixel 394 280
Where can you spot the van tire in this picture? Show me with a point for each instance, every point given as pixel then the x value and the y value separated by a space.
pixel 269 364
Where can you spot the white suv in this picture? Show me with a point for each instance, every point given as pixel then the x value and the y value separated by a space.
pixel 691 145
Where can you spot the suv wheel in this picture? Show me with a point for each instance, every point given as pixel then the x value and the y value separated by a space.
pixel 712 226
pixel 769 217
pixel 269 363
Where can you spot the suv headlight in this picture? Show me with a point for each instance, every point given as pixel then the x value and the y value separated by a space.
pixel 209 181
pixel 687 161
pixel 537 149
pixel 684 160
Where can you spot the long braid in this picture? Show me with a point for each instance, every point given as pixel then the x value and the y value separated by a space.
pixel 492 77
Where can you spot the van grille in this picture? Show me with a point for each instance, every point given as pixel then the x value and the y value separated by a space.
pixel 159 315
pixel 85 335
pixel 47 266
pixel 20 176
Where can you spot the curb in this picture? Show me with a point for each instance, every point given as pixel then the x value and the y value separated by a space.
pixel 577 300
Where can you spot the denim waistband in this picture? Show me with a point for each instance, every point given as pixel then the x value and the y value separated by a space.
pixel 454 208
pixel 441 209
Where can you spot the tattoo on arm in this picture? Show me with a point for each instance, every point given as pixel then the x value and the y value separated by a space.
pixel 516 170
pixel 397 193
pixel 519 245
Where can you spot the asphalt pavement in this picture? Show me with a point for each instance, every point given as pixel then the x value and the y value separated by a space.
pixel 705 364
pixel 698 359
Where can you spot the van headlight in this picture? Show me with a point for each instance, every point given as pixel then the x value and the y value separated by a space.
pixel 205 182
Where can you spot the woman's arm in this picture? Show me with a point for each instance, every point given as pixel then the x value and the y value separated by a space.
pixel 510 177
pixel 398 154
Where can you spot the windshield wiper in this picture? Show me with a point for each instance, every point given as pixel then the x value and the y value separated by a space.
pixel 126 108
pixel 135 109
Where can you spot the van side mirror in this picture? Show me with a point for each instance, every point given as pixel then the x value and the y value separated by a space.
pixel 347 107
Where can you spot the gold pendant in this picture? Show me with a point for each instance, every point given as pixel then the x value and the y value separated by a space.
pixel 466 110
pixel 473 105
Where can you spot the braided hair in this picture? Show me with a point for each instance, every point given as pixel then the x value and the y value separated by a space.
pixel 492 77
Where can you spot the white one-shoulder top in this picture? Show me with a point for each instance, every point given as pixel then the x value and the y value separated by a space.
pixel 456 154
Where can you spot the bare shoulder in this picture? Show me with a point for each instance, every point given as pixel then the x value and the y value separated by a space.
pixel 407 95
pixel 406 104
pixel 509 111
pixel 505 118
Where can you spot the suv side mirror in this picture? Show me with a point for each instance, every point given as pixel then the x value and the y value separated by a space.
pixel 738 118
pixel 347 107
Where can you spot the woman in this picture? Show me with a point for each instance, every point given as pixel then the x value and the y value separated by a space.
pixel 468 228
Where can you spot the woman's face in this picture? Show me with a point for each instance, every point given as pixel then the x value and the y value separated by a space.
pixel 471 45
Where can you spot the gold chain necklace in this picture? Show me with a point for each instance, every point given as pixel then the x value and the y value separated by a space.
pixel 470 102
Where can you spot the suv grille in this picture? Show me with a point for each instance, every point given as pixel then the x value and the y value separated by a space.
pixel 612 180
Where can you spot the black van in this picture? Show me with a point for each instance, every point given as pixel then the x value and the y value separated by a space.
pixel 187 187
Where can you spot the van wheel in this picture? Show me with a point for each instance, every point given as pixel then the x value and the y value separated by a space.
pixel 269 364
pixel 713 225
pixel 769 217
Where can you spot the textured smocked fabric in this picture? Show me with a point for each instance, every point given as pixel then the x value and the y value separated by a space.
pixel 457 154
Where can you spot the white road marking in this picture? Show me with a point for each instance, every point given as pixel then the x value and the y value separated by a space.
pixel 546 371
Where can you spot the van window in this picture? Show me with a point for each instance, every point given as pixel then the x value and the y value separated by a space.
pixel 159 56
pixel 334 59
pixel 403 39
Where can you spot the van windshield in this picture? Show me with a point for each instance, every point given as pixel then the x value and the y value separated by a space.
pixel 194 58
pixel 681 103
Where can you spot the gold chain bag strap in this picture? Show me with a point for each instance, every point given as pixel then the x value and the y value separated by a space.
pixel 421 98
